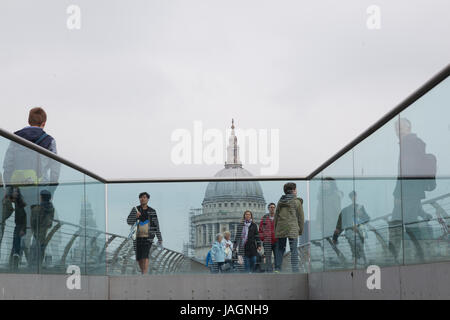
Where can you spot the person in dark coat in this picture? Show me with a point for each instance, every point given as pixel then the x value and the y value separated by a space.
pixel 408 193
pixel 148 227
pixel 351 221
pixel 247 241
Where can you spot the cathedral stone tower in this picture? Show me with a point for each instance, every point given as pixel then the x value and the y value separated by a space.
pixel 225 202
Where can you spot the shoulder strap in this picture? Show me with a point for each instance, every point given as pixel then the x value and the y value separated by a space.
pixel 137 210
pixel 42 137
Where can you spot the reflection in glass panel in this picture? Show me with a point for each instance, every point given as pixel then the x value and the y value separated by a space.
pixel 95 222
pixel 375 181
pixel 39 206
pixel 316 225
pixel 338 215
pixel 425 158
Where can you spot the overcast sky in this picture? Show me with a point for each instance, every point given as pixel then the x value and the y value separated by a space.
pixel 116 89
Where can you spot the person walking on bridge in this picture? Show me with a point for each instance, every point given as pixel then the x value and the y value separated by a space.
pixel 147 228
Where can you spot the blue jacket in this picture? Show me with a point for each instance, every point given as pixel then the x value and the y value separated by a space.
pixel 218 252
pixel 33 134
pixel 18 157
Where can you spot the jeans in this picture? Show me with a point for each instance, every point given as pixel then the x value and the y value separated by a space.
pixel 268 249
pixel 17 245
pixel 281 248
pixel 249 263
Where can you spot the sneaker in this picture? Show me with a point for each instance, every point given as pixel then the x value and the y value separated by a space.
pixel 276 271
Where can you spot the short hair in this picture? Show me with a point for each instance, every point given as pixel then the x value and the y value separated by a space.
pixel 289 187
pixel 144 194
pixel 270 204
pixel 352 194
pixel 218 235
pixel 227 233
pixel 37 116
pixel 46 195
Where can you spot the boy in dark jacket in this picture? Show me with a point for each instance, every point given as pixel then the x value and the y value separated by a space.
pixel 148 227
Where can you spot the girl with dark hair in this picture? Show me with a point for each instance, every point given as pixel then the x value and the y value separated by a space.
pixel 247 241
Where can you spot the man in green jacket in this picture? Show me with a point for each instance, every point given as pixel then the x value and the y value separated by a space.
pixel 288 221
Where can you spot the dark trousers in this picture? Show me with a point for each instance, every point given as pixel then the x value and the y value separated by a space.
pixel 281 248
pixel 217 267
pixel 250 263
pixel 269 248
pixel 406 213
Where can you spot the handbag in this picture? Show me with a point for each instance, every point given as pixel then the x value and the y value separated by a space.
pixel 225 267
pixel 142 229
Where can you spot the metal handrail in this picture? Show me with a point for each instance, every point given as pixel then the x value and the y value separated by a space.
pixel 440 212
pixel 416 95
pixel 47 153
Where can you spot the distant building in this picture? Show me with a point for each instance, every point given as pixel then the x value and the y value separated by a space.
pixel 87 245
pixel 224 203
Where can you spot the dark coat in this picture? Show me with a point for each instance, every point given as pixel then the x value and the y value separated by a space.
pixel 18 157
pixel 20 217
pixel 409 165
pixel 253 240
pixel 154 224
pixel 33 134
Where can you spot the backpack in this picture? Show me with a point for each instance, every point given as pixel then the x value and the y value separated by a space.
pixel 27 176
